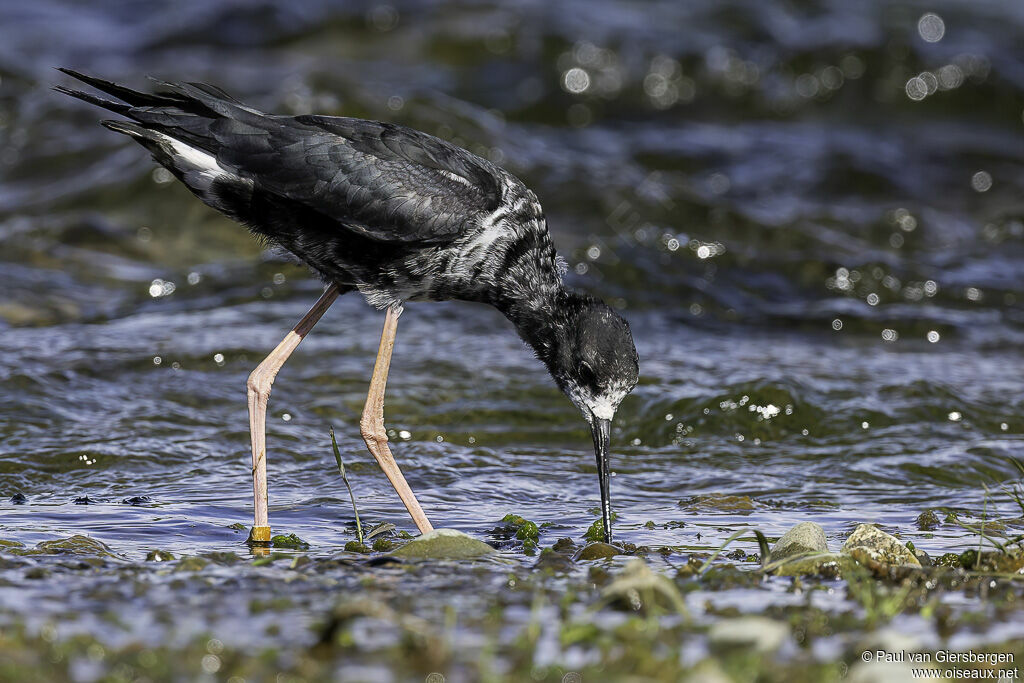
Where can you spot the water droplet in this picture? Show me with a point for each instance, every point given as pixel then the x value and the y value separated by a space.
pixel 933 336
pixel 837 324
pixel 807 85
pixel 931 27
pixel 955 416
pixel 576 80
pixel 916 88
pixel 719 183
pixel 383 17
pixel 981 181
pixel 211 664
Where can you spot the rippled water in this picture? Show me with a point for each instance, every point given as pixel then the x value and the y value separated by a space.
pixel 811 216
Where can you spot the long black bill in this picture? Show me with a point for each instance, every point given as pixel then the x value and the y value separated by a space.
pixel 602 431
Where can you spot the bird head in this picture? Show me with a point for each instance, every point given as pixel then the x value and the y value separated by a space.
pixel 594 361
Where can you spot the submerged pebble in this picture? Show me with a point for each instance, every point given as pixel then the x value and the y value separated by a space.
pixel 597 551
pixel 870 545
pixel 444 544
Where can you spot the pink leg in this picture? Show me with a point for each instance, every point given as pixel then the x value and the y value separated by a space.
pixel 258 387
pixel 372 423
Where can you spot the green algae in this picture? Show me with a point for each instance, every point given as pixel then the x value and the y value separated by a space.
pixel 159 556
pixel 289 541
pixel 382 545
pixel 524 530
pixel 75 545
pixel 595 532
pixel 928 521
pixel 718 502
pixel 597 551
pixel 443 544
pixel 191 563
pixel 357 547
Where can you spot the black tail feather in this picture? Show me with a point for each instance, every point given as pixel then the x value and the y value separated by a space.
pixel 94 99
pixel 132 97
pixel 128 128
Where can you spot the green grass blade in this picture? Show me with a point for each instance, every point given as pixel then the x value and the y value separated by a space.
pixel 344 477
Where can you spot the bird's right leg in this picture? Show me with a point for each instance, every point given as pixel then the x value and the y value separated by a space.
pixel 371 425
pixel 258 387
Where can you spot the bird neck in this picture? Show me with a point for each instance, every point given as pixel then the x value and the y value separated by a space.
pixel 538 320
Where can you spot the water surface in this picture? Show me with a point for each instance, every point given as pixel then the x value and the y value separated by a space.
pixel 810 215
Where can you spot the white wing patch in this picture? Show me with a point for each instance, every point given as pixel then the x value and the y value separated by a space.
pixel 455 177
pixel 203 161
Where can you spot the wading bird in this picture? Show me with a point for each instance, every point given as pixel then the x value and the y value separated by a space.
pixel 396 214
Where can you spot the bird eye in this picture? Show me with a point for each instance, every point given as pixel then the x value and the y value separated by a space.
pixel 586 374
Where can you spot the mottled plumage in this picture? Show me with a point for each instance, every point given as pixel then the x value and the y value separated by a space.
pixel 392 212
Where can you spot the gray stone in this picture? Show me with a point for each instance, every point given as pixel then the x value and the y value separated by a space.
pixel 828 565
pixel 760 634
pixel 443 544
pixel 804 538
pixel 638 586
pixel 869 544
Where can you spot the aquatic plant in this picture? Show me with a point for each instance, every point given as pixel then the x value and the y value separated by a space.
pixel 344 477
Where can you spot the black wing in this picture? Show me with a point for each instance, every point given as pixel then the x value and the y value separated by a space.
pixel 387 182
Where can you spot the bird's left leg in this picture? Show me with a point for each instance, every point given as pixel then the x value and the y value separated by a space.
pixel 258 388
pixel 372 423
